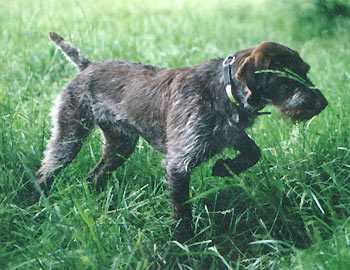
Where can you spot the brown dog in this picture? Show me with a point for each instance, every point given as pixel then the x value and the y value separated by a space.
pixel 189 114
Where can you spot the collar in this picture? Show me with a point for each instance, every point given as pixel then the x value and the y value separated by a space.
pixel 228 83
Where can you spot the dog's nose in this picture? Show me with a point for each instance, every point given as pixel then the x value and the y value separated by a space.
pixel 323 103
pixel 320 101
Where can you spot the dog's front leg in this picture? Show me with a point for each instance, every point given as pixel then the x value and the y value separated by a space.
pixel 249 155
pixel 179 181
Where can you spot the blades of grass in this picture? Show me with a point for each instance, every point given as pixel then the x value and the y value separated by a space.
pixel 217 253
pixel 317 202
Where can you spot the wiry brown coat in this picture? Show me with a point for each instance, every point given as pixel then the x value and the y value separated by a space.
pixel 184 113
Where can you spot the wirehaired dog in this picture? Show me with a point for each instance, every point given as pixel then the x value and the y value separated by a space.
pixel 189 114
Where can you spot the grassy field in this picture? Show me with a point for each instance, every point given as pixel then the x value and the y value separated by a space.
pixel 288 212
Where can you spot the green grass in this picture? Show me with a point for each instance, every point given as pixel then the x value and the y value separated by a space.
pixel 288 212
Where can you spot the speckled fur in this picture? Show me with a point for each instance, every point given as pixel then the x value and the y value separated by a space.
pixel 183 113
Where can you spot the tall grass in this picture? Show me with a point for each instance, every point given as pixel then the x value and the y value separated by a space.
pixel 288 212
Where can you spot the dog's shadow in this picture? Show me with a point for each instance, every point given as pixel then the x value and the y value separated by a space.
pixel 240 226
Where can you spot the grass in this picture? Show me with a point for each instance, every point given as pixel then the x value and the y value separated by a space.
pixel 288 212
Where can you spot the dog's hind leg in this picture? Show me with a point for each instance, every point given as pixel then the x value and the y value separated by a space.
pixel 117 147
pixel 72 122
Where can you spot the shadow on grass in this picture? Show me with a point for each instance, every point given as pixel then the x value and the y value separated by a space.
pixel 243 229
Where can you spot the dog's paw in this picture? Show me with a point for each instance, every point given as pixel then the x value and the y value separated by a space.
pixel 221 168
pixel 184 231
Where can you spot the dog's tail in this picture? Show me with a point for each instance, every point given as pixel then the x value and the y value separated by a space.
pixel 72 53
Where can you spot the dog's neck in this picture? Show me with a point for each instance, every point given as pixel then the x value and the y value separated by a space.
pixel 214 74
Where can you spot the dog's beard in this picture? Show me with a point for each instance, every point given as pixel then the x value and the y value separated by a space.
pixel 300 108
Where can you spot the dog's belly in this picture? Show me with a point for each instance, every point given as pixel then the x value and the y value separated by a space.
pixel 118 117
pixel 154 135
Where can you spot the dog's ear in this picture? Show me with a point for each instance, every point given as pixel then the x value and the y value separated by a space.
pixel 247 66
pixel 250 64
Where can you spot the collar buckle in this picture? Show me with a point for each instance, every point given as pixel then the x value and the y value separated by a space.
pixel 228 81
pixel 229 60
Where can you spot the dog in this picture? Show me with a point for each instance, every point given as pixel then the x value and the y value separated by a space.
pixel 189 114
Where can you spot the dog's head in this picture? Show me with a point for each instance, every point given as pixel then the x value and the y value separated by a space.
pixel 275 74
